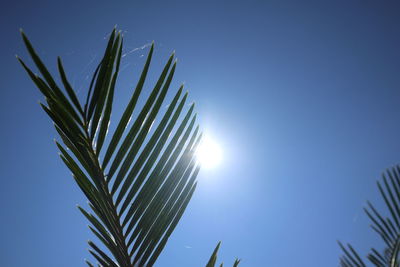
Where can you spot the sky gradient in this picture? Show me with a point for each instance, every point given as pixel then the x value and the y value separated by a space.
pixel 303 97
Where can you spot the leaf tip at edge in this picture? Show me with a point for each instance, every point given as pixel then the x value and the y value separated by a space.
pixel 180 90
pixel 21 31
pixel 24 37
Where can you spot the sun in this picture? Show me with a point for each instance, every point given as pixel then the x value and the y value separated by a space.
pixel 208 153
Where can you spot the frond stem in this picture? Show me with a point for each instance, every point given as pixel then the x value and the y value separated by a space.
pixel 104 190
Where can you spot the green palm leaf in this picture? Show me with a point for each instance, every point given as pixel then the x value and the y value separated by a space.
pixel 141 184
pixel 388 228
pixel 213 259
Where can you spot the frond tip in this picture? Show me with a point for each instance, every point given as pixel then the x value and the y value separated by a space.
pixel 138 181
pixel 213 259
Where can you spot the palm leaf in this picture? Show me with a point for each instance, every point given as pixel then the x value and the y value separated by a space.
pixel 213 259
pixel 387 227
pixel 139 188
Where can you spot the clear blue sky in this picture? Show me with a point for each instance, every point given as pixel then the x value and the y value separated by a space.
pixel 302 95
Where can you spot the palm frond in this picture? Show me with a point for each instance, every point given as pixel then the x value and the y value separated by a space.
pixel 138 181
pixel 213 259
pixel 387 227
pixel 350 257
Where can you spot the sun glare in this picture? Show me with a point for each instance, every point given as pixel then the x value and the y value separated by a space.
pixel 208 153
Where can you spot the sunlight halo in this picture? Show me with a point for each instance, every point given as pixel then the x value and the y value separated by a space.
pixel 208 153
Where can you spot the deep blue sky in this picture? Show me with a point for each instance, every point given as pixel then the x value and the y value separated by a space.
pixel 302 95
